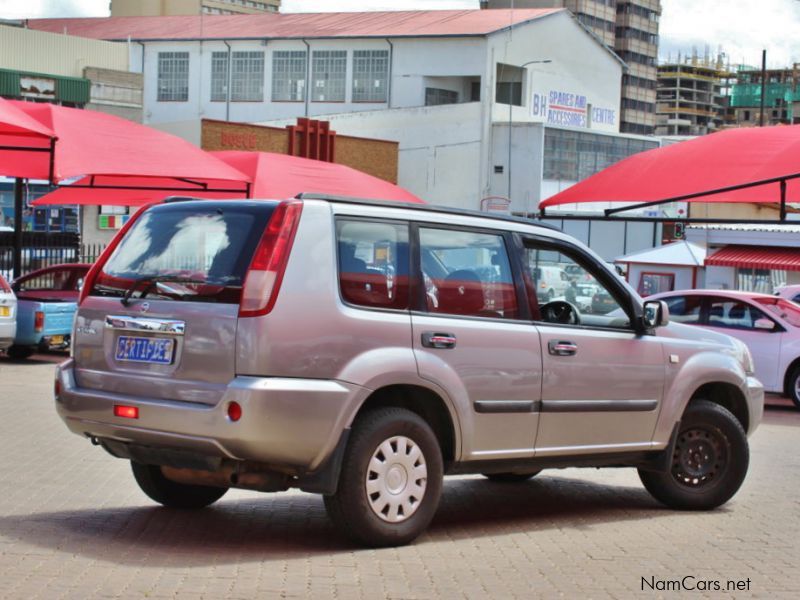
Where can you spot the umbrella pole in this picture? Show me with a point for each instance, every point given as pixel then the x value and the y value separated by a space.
pixel 18 207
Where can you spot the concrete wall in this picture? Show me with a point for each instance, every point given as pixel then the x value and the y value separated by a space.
pixel 439 148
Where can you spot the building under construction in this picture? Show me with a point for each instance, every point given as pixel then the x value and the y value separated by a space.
pixel 781 97
pixel 692 96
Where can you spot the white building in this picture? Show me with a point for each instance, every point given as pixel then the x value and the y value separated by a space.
pixel 491 103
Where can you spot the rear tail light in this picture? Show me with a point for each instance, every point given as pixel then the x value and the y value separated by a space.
pixel 234 411
pixel 38 321
pixel 91 276
pixel 263 279
pixel 4 287
pixel 126 412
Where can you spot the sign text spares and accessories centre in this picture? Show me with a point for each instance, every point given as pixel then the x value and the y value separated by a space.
pixel 571 110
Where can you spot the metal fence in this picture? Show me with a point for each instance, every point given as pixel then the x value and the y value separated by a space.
pixel 41 250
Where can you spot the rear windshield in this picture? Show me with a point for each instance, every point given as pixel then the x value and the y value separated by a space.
pixel 196 251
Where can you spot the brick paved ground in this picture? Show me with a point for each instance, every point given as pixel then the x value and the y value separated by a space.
pixel 73 524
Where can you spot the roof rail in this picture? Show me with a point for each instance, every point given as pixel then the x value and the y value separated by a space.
pixel 425 208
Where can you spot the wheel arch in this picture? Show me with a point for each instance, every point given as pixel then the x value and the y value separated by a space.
pixel 726 395
pixel 426 403
pixel 788 374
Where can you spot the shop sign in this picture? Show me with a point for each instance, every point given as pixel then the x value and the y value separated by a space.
pixel 558 107
pixel 37 87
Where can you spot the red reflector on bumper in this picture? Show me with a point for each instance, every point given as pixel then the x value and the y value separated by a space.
pixel 128 412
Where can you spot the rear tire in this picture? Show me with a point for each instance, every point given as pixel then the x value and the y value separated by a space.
pixel 391 479
pixel 709 462
pixel 511 477
pixel 793 387
pixel 171 493
pixel 19 352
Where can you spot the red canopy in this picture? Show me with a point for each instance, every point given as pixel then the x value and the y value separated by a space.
pixel 110 149
pixel 689 170
pixel 284 176
pixel 274 176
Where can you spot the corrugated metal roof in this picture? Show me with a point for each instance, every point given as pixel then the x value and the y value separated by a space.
pixel 681 253
pixel 751 257
pixel 426 23
pixel 753 227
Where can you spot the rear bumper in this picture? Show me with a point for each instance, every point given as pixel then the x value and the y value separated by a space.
pixel 755 403
pixel 289 424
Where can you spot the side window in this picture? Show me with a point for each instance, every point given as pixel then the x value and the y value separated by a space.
pixel 552 276
pixel 467 273
pixel 732 314
pixel 684 309
pixel 373 263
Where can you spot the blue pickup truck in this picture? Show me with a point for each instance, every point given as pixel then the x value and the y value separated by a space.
pixel 46 304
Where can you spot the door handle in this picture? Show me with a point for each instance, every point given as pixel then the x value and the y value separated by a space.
pixel 562 348
pixel 442 341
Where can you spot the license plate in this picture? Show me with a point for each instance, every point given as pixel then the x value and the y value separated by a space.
pixel 5 311
pixel 56 340
pixel 157 351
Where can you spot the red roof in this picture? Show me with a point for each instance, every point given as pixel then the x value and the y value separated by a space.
pixel 296 25
pixel 751 257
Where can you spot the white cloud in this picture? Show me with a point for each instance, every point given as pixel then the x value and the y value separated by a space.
pixel 33 9
pixel 742 28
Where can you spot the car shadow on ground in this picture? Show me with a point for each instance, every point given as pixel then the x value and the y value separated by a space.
pixel 286 526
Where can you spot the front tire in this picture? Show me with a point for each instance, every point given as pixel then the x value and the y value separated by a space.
pixel 171 493
pixel 391 479
pixel 709 462
pixel 793 387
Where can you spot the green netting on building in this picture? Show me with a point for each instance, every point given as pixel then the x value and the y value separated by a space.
pixel 749 94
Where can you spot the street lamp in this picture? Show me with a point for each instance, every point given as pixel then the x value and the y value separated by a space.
pixel 510 111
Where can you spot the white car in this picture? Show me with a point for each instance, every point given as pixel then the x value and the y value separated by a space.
pixel 768 325
pixel 8 315
pixel 790 292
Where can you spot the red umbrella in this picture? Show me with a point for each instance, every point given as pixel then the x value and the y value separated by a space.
pixel 110 152
pixel 736 165
pixel 275 176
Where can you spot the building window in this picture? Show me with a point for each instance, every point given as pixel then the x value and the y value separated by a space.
pixel 328 75
pixel 289 76
pixel 436 96
pixel 509 85
pixel 370 75
pixel 247 76
pixel 173 76
pixel 219 76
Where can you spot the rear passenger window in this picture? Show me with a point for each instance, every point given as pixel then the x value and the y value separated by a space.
pixel 373 263
pixel 467 273
pixel 723 312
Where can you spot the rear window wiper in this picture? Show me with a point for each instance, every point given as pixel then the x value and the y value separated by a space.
pixel 151 280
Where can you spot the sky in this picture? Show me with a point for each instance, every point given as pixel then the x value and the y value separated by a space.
pixel 741 28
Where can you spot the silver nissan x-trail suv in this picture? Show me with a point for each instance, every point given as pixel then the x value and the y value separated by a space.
pixel 364 350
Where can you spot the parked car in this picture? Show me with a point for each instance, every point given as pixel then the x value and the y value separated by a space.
pixel 8 314
pixel 603 303
pixel 769 325
pixel 258 345
pixel 790 292
pixel 46 303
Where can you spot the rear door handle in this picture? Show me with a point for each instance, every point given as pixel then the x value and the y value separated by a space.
pixel 562 348
pixel 443 341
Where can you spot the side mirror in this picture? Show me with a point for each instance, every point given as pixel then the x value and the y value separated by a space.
pixel 656 314
pixel 765 324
